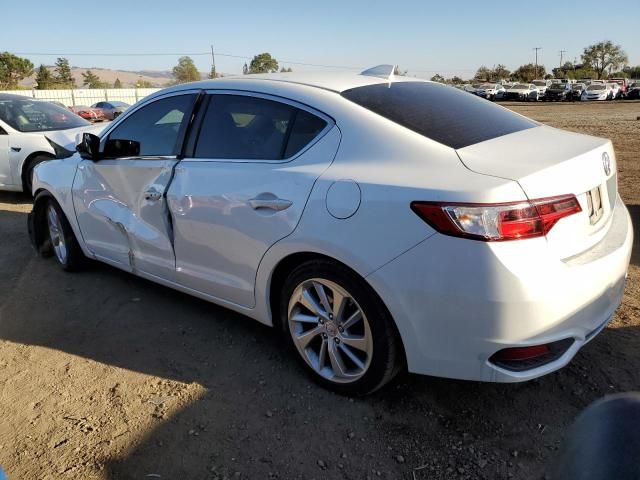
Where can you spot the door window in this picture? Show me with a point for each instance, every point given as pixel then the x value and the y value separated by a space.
pixel 251 128
pixel 158 127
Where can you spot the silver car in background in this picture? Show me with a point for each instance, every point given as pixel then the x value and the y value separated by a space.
pixel 111 109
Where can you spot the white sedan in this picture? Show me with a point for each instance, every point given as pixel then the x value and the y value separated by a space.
pixel 596 91
pixel 30 132
pixel 376 221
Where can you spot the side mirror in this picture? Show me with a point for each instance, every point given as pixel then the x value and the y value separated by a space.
pixel 116 148
pixel 89 146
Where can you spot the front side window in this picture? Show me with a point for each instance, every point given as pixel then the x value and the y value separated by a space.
pixel 251 128
pixel 156 127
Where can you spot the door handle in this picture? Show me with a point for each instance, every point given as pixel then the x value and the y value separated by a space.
pixel 276 204
pixel 152 195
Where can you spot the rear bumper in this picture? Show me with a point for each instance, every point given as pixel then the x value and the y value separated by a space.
pixel 457 302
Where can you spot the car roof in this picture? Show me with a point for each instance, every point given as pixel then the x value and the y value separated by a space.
pixel 9 96
pixel 332 81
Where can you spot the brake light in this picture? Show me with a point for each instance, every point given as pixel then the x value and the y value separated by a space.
pixel 497 221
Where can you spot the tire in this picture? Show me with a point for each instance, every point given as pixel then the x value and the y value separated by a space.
pixel 353 350
pixel 27 177
pixel 62 240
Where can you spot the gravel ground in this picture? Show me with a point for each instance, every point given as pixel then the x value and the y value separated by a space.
pixel 103 376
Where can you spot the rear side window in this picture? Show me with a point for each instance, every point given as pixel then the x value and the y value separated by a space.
pixel 447 115
pixel 243 127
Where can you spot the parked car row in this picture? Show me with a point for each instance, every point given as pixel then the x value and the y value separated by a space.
pixel 98 112
pixel 556 90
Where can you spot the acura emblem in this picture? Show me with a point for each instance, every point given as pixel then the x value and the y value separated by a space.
pixel 606 163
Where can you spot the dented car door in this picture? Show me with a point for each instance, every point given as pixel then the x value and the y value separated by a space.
pixel 120 200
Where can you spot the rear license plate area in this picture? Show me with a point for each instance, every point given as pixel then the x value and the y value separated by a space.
pixel 594 205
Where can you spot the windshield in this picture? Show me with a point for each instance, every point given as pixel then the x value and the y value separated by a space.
pixel 539 83
pixel 634 85
pixel 578 86
pixel 595 87
pixel 520 86
pixel 37 116
pixel 557 86
pixel 444 114
pixel 487 85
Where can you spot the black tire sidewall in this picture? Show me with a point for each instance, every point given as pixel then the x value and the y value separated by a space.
pixel 75 257
pixel 385 357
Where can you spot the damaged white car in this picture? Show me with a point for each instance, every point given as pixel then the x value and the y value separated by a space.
pixel 32 131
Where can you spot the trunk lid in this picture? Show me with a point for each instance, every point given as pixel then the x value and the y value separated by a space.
pixel 548 162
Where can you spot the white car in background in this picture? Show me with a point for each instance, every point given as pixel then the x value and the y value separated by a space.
pixel 30 132
pixel 541 86
pixel 614 90
pixel 376 221
pixel 521 91
pixel 596 91
pixel 491 91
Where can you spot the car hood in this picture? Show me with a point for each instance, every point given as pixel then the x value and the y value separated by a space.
pixel 67 138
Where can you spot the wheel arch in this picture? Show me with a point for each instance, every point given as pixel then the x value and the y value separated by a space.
pixel 29 158
pixel 38 222
pixel 286 265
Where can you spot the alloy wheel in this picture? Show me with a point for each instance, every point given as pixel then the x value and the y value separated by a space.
pixel 330 330
pixel 56 233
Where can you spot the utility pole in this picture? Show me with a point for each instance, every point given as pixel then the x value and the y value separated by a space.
pixel 213 64
pixel 536 49
pixel 562 52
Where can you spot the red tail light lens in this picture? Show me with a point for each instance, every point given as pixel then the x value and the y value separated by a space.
pixel 499 221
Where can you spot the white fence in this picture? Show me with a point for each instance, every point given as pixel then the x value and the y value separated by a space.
pixel 87 96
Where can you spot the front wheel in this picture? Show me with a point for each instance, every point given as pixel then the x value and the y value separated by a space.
pixel 62 240
pixel 340 329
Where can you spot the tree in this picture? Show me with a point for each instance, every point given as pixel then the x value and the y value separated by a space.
pixel 91 80
pixel 63 77
pixel 143 84
pixel 604 55
pixel 483 73
pixel 13 69
pixel 245 69
pixel 186 71
pixel 285 70
pixel 456 80
pixel 117 83
pixel 263 63
pixel 527 73
pixel 437 78
pixel 44 79
pixel 501 72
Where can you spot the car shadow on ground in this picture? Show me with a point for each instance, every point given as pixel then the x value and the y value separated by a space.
pixel 261 416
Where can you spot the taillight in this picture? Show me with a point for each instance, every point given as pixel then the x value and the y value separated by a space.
pixel 497 221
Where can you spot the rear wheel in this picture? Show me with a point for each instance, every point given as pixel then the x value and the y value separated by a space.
pixel 341 331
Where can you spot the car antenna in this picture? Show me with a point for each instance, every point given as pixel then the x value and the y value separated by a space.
pixel 381 71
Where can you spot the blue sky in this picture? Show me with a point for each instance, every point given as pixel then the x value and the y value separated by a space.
pixel 450 38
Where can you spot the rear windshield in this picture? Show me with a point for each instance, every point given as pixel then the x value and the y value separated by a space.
pixel 444 114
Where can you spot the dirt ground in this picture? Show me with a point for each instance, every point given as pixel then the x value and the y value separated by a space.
pixel 106 376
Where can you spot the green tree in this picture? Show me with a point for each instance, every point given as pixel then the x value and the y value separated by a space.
pixel 117 83
pixel 91 80
pixel 455 80
pixel 286 70
pixel 527 73
pixel 604 55
pixel 186 71
pixel 483 73
pixel 63 77
pixel 501 72
pixel 44 79
pixel 143 84
pixel 13 69
pixel 400 73
pixel 263 63
pixel 437 78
